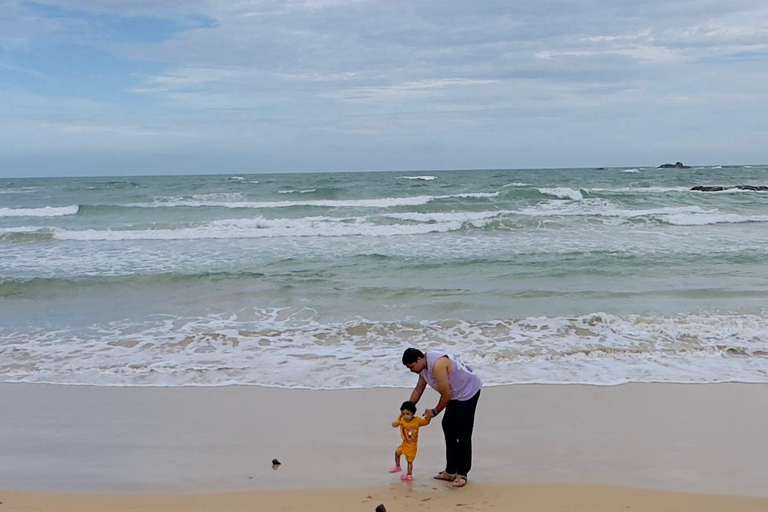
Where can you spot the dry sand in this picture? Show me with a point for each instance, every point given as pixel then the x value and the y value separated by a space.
pixel 537 448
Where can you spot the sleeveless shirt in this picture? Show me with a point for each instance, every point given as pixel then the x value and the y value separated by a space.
pixel 462 380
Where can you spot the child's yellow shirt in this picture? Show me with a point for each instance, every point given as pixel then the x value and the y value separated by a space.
pixel 409 430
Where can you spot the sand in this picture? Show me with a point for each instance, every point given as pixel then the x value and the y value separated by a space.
pixel 536 448
pixel 398 498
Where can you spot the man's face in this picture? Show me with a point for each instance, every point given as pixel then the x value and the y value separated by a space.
pixel 418 365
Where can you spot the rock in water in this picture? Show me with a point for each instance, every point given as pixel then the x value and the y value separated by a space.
pixel 753 188
pixel 676 165
pixel 381 508
pixel 703 188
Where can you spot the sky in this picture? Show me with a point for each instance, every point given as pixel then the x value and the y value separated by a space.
pixel 116 87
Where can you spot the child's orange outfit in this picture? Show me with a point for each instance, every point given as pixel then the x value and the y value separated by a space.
pixel 409 431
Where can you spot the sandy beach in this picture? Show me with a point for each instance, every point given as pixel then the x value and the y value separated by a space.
pixel 540 448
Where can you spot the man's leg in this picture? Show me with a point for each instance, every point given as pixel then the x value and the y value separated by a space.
pixel 465 423
pixel 449 431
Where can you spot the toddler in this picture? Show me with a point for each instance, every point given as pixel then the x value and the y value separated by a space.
pixel 409 430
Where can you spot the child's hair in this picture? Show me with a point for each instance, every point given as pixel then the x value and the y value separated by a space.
pixel 408 406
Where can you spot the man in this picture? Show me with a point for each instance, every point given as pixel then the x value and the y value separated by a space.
pixel 459 390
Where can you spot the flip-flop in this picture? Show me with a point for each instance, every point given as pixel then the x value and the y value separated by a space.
pixel 395 469
pixel 407 478
pixel 446 477
pixel 459 481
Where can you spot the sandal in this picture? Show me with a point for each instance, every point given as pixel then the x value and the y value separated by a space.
pixel 446 477
pixel 459 481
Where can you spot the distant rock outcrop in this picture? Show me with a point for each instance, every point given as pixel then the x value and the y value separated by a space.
pixel 704 188
pixel 676 165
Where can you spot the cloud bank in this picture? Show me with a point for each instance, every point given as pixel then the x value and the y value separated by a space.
pixel 117 86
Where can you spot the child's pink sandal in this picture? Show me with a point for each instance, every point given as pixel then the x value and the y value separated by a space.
pixel 395 469
pixel 407 478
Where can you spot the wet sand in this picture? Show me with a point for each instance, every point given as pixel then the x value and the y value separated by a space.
pixel 532 442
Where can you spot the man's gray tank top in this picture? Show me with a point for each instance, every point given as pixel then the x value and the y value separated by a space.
pixel 464 383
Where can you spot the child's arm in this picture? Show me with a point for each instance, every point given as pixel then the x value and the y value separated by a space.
pixel 396 423
pixel 424 421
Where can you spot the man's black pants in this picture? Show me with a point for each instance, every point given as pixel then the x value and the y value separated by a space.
pixel 458 422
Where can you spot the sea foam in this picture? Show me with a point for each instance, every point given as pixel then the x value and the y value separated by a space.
pixel 46 211
pixel 294 350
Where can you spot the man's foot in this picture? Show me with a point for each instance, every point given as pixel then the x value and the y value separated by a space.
pixel 459 481
pixel 407 478
pixel 395 469
pixel 444 475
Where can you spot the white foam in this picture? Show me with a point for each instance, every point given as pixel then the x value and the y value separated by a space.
pixel 702 219
pixel 461 217
pixel 24 229
pixel 475 195
pixel 20 190
pixel 423 178
pixel 260 227
pixel 516 184
pixel 360 203
pixel 304 191
pixel 562 193
pixel 631 171
pixel 414 223
pixel 643 190
pixel 385 202
pixel 594 207
pixel 47 211
pixel 236 178
pixel 293 348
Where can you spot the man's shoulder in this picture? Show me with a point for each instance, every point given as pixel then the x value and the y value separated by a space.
pixel 444 361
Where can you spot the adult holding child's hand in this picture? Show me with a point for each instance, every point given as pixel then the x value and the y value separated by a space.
pixel 459 390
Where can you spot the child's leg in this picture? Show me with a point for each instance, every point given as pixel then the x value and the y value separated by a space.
pixel 409 476
pixel 396 467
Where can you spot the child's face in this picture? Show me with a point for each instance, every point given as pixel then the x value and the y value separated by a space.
pixel 407 415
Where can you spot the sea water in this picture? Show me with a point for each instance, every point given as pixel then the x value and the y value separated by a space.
pixel 597 276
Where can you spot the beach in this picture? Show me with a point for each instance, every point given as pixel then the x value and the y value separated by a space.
pixel 237 237
pixel 537 447
pixel 164 338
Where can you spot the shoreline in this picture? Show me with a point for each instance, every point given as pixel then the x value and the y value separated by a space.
pixel 187 443
pixel 395 498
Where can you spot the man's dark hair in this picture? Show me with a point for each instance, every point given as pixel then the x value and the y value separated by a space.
pixel 408 406
pixel 411 355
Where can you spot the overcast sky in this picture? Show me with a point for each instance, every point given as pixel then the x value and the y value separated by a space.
pixel 206 86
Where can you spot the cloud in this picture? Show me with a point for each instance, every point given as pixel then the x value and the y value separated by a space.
pixel 269 76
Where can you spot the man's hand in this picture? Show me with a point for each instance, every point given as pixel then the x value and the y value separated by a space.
pixel 429 414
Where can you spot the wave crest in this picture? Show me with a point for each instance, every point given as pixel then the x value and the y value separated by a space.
pixel 46 211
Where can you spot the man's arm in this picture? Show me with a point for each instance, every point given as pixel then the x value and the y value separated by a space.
pixel 418 390
pixel 440 374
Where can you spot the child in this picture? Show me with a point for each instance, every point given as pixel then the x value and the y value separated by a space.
pixel 409 431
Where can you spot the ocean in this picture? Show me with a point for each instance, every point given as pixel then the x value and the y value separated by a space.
pixel 595 276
